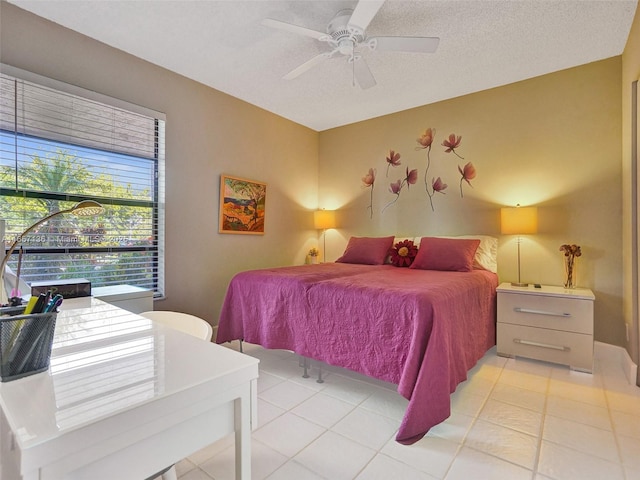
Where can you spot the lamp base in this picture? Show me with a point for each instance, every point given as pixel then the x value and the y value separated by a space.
pixel 519 284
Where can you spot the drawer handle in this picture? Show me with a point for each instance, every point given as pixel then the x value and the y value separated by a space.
pixel 541 312
pixel 543 345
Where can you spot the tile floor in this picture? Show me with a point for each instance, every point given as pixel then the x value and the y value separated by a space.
pixel 512 419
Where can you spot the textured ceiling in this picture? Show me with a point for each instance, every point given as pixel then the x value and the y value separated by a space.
pixel 483 44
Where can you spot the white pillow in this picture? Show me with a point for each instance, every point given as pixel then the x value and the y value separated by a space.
pixel 486 257
pixel 402 239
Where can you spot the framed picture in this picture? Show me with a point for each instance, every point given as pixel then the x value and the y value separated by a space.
pixel 242 205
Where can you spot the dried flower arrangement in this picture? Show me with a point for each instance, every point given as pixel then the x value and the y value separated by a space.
pixel 570 253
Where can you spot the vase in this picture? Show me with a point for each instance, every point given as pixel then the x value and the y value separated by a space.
pixel 570 271
pixel 314 260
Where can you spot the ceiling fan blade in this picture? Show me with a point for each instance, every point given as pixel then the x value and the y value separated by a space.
pixel 290 27
pixel 308 65
pixel 405 44
pixel 363 14
pixel 363 74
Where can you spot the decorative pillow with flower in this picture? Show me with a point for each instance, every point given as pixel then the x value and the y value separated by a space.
pixel 403 253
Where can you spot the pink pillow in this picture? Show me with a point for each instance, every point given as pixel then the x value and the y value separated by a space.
pixel 366 250
pixel 454 255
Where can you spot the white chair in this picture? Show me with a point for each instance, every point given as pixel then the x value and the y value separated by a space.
pixel 186 323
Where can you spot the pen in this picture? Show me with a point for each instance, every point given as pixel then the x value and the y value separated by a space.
pixel 53 303
pixel 32 303
pixel 40 303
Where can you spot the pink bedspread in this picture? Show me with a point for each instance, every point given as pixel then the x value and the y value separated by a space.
pixel 420 329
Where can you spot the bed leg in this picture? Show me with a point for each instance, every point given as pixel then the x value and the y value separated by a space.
pixel 305 364
pixel 320 380
pixel 240 345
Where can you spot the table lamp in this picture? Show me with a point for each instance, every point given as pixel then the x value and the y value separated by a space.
pixel 322 220
pixel 85 208
pixel 518 221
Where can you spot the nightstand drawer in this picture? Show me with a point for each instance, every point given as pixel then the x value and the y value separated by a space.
pixel 573 349
pixel 556 313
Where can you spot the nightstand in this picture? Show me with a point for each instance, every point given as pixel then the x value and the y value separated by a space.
pixel 552 324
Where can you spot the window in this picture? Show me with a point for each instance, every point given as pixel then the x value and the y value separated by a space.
pixel 59 145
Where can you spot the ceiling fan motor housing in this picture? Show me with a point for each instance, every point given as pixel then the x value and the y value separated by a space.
pixel 344 39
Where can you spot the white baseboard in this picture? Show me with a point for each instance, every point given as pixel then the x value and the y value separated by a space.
pixel 630 368
pixel 618 354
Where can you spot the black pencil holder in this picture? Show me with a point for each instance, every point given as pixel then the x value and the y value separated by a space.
pixel 25 342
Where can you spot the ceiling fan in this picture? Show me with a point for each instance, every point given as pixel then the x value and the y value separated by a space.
pixel 346 37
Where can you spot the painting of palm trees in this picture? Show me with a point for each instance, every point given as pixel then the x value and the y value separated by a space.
pixel 242 205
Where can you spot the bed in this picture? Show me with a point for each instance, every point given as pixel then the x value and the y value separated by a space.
pixel 420 328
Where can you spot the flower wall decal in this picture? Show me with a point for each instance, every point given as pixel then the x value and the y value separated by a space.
pixel 425 141
pixel 412 177
pixel 396 187
pixel 468 173
pixel 393 160
pixel 452 143
pixel 438 186
pixel 368 180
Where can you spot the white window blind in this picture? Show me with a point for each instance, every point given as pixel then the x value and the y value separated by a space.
pixel 59 145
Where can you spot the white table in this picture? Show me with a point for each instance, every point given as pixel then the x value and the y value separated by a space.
pixel 124 398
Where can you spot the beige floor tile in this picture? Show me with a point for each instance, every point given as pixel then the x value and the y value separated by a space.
pixel 579 436
pixel 472 464
pixel 385 468
pixel 563 463
pixel 578 412
pixel 334 456
pixel 512 416
pixel 518 396
pixel 510 445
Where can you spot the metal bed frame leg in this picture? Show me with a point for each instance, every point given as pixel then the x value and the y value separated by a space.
pixel 240 345
pixel 304 362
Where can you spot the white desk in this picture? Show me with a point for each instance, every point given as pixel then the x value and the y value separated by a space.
pixel 129 297
pixel 124 398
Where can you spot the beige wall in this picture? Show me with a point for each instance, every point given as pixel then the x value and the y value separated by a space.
pixel 208 133
pixel 552 141
pixel 630 73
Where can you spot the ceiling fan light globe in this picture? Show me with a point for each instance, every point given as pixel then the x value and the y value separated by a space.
pixel 346 46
